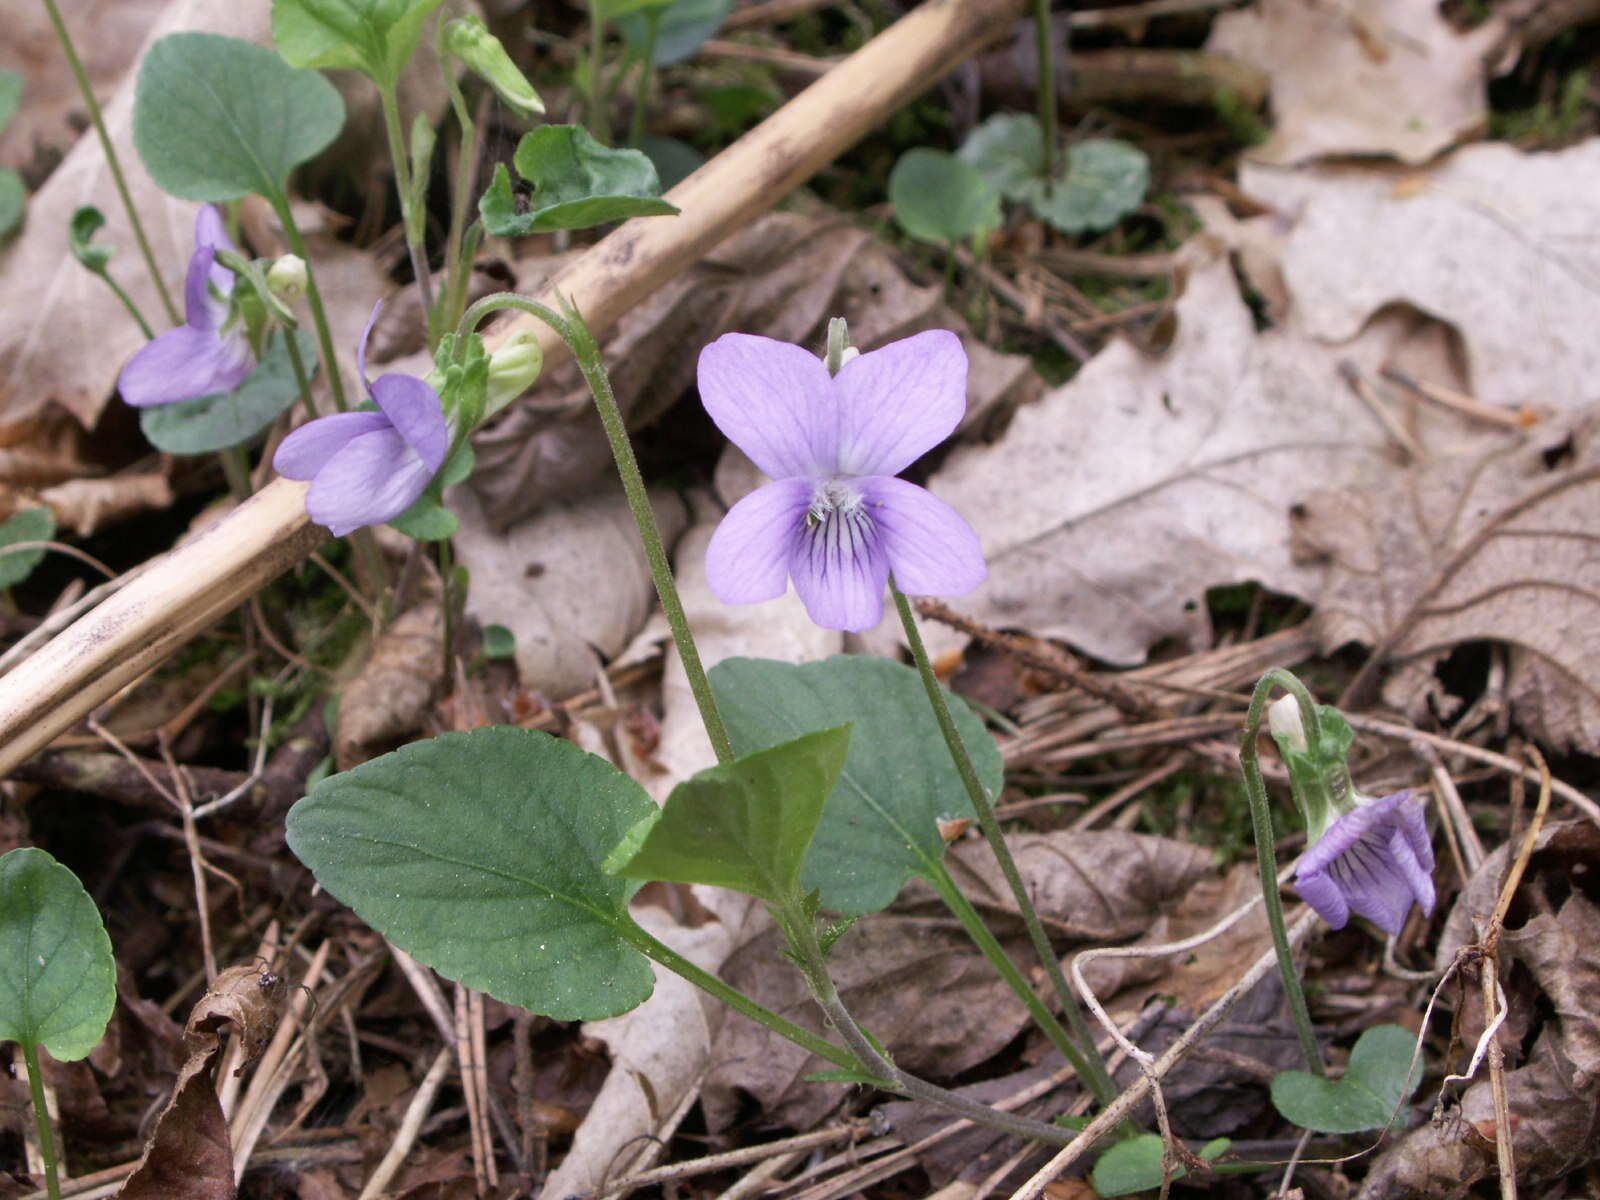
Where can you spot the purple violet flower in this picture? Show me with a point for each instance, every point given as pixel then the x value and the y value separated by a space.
pixel 836 519
pixel 1373 861
pixel 205 355
pixel 366 467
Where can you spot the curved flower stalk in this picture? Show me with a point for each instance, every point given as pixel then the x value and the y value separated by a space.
pixel 1375 860
pixel 209 353
pixel 835 519
pixel 367 467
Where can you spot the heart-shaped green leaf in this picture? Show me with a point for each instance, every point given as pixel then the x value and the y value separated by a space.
pixel 685 27
pixel 1380 1078
pixel 881 824
pixel 938 198
pixel 29 525
pixel 1134 1164
pixel 374 36
pixel 480 853
pixel 216 118
pixel 215 422
pixel 58 981
pixel 744 825
pixel 577 182
pixel 13 201
pixel 1105 180
pixel 1008 151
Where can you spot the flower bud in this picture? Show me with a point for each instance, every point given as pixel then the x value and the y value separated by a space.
pixel 286 278
pixel 1283 718
pixel 513 368
pixel 470 41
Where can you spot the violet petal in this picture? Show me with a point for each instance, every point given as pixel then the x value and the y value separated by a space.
pixel 1369 860
pixel 415 410
pixel 900 401
pixel 747 560
pixel 774 401
pixel 307 450
pixel 1323 894
pixel 932 551
pixel 361 347
pixel 373 479
pixel 184 363
pixel 210 233
pixel 840 570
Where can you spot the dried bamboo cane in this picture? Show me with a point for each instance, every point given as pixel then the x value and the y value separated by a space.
pixel 177 597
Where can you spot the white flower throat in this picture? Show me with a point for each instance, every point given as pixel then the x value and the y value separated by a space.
pixel 837 522
pixel 834 500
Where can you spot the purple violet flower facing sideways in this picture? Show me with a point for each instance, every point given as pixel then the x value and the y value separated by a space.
pixel 835 519
pixel 366 468
pixel 204 355
pixel 1372 861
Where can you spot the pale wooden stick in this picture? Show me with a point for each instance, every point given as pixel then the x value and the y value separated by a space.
pixel 410 1125
pixel 178 596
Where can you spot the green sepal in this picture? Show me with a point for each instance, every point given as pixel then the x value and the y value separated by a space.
pixel 1319 775
pixel 834 932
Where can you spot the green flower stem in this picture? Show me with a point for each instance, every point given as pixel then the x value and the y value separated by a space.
pixel 297 364
pixel 733 997
pixel 456 267
pixel 319 315
pixel 409 217
pixel 127 303
pixel 575 333
pixel 647 74
pixel 1092 1069
pixel 1047 91
pixel 596 97
pixel 1266 860
pixel 113 163
pixel 797 924
pixel 41 1118
pixel 956 901
pixel 237 469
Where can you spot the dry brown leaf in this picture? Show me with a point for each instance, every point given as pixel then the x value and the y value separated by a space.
pixel 189 1155
pixel 391 695
pixel 64 337
pixel 1110 507
pixel 913 977
pixel 1502 547
pixel 1493 241
pixel 88 505
pixel 1362 76
pixel 783 276
pixel 571 582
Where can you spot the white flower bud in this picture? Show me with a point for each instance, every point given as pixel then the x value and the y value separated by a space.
pixel 1283 718
pixel 287 278
pixel 512 369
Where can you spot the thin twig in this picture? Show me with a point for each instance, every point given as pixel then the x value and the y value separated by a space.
pixel 410 1125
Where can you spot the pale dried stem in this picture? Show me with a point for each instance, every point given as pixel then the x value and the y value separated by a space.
pixel 410 1125
pixel 1458 823
pixel 472 1058
pixel 183 593
pixel 1105 1121
pixel 720 1162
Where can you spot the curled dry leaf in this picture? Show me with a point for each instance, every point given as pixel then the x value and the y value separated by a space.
pixel 1492 241
pixel 87 506
pixel 1500 547
pixel 1553 1093
pixel 1361 78
pixel 916 981
pixel 391 695
pixel 570 582
pixel 782 277
pixel 1110 507
pixel 189 1155
pixel 64 337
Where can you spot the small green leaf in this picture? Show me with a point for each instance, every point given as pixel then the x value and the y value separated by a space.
pixel 86 222
pixel 1008 151
pixel 374 36
pixel 469 39
pixel 58 981
pixel 29 525
pixel 938 198
pixel 1105 180
pixel 1134 1165
pixel 215 422
pixel 216 118
pixel 499 642
pixel 480 853
pixel 744 825
pixel 10 97
pixel 675 160
pixel 13 201
pixel 685 27
pixel 1378 1080
pixel 578 183
pixel 881 824
pixel 427 520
